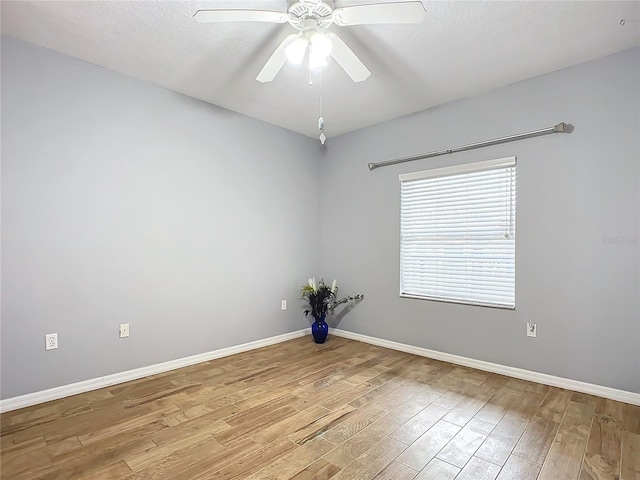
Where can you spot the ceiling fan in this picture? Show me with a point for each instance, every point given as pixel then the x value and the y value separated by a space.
pixel 312 18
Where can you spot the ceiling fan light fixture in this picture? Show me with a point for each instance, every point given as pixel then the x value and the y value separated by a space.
pixel 316 61
pixel 320 44
pixel 295 52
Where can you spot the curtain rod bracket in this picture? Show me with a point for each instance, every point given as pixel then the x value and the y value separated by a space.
pixel 561 127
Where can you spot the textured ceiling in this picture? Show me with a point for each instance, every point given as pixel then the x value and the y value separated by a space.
pixel 461 49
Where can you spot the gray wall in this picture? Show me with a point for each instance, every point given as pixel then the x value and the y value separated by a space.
pixel 577 265
pixel 125 202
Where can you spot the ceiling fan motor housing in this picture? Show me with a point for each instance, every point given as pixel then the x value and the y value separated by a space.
pixel 304 10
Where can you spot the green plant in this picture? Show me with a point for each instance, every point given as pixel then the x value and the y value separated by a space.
pixel 322 298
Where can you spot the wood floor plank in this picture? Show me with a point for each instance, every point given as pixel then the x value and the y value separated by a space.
pixel 138 461
pixel 500 443
pixel 496 381
pixel 478 469
pixel 253 461
pixel 465 443
pixel 465 410
pixel 396 471
pixel 368 363
pixel 517 468
pixel 630 463
pixel 60 447
pixel 366 375
pixel 54 428
pixel 536 440
pixel 107 450
pixel 204 467
pixel 246 429
pixel 496 407
pixel 526 406
pixel 179 461
pixel 150 420
pixel 108 472
pixel 291 424
pixel 400 392
pixel 517 385
pixel 172 394
pixel 555 404
pixel 438 470
pixel 419 424
pixel 412 407
pixel 611 408
pixel 202 426
pixel 359 390
pixel 449 399
pixel 318 470
pixel 470 375
pixel 322 424
pixel 597 467
pixel 604 449
pixel 320 392
pixel 422 451
pixel 94 457
pixel 294 462
pixel 373 461
pixel 355 423
pixel 24 461
pixel 357 445
pixel 631 418
pixel 568 448
pixel 11 448
pixel 250 415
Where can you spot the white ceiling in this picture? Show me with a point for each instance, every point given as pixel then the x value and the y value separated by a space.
pixel 461 49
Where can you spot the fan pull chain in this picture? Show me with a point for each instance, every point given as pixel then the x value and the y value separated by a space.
pixel 322 137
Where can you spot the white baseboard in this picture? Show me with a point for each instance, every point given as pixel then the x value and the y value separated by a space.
pixel 122 377
pixel 598 390
pixel 35 398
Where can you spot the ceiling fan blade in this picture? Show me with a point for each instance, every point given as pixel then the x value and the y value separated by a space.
pixel 348 60
pixel 400 12
pixel 210 16
pixel 276 61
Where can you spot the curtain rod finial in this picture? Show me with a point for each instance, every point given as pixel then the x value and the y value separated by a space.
pixel 372 166
pixel 564 128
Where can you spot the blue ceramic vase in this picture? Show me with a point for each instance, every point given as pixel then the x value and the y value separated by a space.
pixel 319 329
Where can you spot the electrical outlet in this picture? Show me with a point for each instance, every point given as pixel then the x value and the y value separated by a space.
pixel 532 330
pixel 124 330
pixel 284 305
pixel 50 341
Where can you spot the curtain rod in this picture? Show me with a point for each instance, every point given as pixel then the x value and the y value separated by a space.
pixel 559 128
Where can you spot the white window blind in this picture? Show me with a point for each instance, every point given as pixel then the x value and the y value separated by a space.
pixel 457 233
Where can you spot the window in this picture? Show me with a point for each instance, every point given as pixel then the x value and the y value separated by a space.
pixel 457 233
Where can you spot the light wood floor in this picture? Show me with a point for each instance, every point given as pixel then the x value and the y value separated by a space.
pixel 342 410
